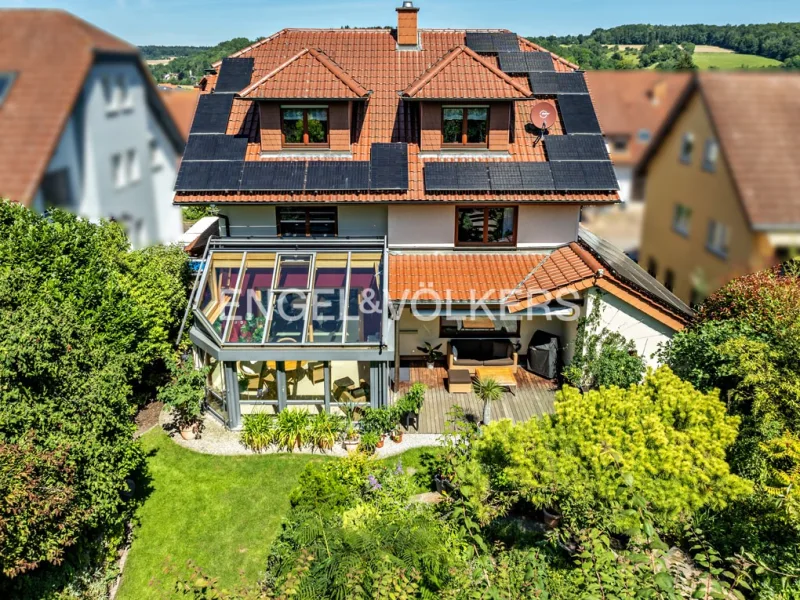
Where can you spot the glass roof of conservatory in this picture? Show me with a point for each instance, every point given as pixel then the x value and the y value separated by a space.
pixel 293 297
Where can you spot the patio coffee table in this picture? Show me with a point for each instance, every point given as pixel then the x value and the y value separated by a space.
pixel 504 376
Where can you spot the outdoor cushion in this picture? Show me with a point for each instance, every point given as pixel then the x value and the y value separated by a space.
pixel 500 349
pixel 499 362
pixel 459 376
pixel 470 362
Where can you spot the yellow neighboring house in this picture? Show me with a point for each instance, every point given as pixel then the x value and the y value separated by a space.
pixel 723 182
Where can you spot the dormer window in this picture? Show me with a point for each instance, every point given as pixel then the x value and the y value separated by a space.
pixel 304 126
pixel 465 126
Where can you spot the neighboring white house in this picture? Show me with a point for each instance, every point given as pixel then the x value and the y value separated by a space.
pixel 84 128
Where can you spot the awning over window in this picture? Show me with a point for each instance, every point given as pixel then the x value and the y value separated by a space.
pixel 293 296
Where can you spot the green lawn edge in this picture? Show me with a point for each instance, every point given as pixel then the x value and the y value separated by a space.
pixel 220 512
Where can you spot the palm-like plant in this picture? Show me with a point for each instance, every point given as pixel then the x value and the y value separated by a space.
pixel 293 428
pixel 489 391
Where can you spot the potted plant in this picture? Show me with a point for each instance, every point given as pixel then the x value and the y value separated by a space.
pixel 293 429
pixel 185 395
pixel 258 431
pixel 431 353
pixel 369 442
pixel 350 438
pixel 551 516
pixel 397 435
pixel 325 428
pixel 489 391
pixel 407 408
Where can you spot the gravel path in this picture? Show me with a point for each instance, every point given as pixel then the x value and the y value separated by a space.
pixel 218 440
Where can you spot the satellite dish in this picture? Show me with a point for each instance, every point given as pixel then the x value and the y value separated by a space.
pixel 543 115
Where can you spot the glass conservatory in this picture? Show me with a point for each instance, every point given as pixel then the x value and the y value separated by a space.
pixel 288 322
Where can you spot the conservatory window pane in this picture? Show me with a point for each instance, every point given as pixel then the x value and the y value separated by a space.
pixel 305 380
pixel 250 313
pixel 288 318
pixel 364 310
pixel 258 380
pixel 350 381
pixel 293 271
pixel 220 287
pixel 327 299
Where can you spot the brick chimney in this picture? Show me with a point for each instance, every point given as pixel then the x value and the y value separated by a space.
pixel 407 24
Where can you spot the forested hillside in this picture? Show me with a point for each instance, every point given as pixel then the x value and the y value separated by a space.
pixel 670 47
pixel 160 52
pixel 188 69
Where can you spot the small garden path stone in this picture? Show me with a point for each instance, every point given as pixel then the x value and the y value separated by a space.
pixel 216 439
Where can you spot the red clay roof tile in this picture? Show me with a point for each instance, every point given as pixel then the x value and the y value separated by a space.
pixel 370 57
pixel 463 74
pixel 308 74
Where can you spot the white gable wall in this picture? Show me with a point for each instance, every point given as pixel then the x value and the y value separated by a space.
pixel 94 134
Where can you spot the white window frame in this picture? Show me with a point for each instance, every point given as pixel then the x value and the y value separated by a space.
pixel 718 238
pixel 118 170
pixel 133 166
pixel 682 219
pixel 710 155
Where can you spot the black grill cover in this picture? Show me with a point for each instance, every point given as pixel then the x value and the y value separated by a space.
pixel 543 354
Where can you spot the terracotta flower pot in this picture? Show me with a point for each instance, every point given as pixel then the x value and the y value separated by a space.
pixel 380 443
pixel 397 438
pixel 188 432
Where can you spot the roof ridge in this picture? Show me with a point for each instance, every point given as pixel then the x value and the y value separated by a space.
pixel 252 46
pixel 448 58
pixel 330 65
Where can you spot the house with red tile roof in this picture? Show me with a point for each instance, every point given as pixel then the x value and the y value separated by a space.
pixel 382 189
pixel 83 126
pixel 723 182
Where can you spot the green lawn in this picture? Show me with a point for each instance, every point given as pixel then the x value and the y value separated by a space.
pixel 221 512
pixel 730 61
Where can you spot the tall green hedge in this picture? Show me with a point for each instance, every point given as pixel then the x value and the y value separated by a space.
pixel 84 322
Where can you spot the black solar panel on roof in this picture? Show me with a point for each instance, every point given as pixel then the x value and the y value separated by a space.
pixel 480 42
pixel 577 113
pixel 627 270
pixel 324 175
pixel 539 61
pixel 215 147
pixel 472 176
pixel 525 62
pixel 440 176
pixel 209 176
pixel 212 113
pixel 505 177
pixel 234 74
pixel 389 167
pixel 575 147
pixel 274 176
pixel 550 84
pixel 536 176
pixel 514 62
pixel 505 42
pixel 584 176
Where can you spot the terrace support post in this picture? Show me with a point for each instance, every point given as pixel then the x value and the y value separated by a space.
pixel 326 377
pixel 232 395
pixel 280 380
pixel 378 384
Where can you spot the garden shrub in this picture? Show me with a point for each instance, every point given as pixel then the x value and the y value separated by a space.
pixel 663 438
pixel 82 323
pixel 602 357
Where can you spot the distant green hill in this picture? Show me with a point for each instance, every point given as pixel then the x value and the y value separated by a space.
pixel 671 47
pixel 188 69
pixel 161 52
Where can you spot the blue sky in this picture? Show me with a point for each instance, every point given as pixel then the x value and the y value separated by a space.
pixel 207 22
